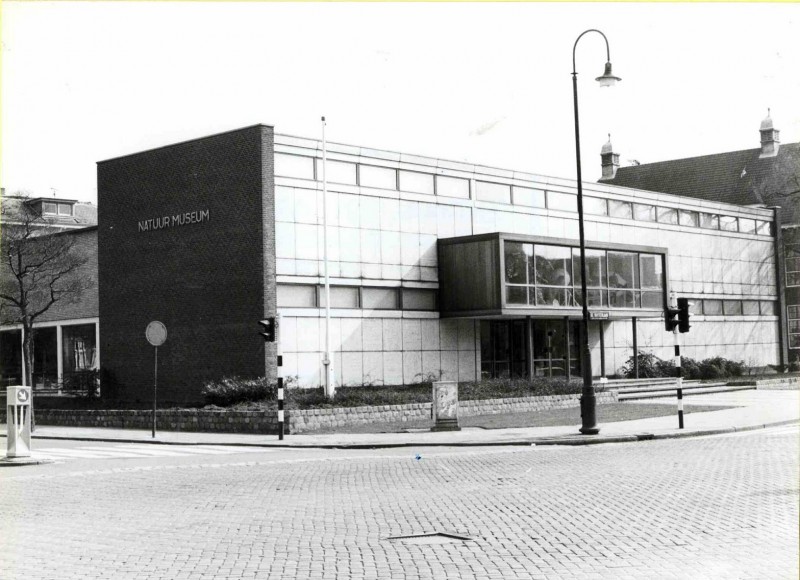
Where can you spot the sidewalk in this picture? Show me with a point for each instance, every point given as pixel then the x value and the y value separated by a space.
pixel 755 409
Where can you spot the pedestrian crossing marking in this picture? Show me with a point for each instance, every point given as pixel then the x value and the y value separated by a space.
pixel 139 451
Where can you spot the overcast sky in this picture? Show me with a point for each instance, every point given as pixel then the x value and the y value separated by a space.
pixel 485 83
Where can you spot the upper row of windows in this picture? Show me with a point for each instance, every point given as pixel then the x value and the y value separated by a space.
pixel 416 182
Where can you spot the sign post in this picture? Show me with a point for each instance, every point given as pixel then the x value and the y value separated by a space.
pixel 156 334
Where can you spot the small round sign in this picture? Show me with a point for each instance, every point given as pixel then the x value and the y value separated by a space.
pixel 23 396
pixel 156 333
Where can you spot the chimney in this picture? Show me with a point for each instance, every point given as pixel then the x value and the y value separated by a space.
pixel 770 138
pixel 609 161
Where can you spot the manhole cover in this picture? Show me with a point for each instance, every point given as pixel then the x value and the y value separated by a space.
pixel 434 538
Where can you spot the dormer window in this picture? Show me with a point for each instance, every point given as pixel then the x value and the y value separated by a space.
pixel 53 207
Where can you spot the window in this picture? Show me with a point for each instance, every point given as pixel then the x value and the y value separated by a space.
pixel 78 348
pixel 667 215
pixel 416 182
pixel 553 267
pixel 64 209
pixel 294 166
pixel 747 226
pixel 709 221
pixel 595 206
pixel 419 299
pixel 763 228
pixel 695 306
pixel 596 279
pixel 495 192
pixel 652 280
pixel 296 296
pixel 49 208
pixel 750 307
pixel 619 209
pixel 379 298
pixel 562 201
pixel 623 276
pixel 380 177
pixel 341 296
pixel 712 307
pixel 519 263
pixel 337 172
pixel 645 213
pixel 528 197
pixel 794 326
pixel 728 223
pixel 732 307
pixel 768 308
pixel 689 218
pixel 452 187
pixel 793 265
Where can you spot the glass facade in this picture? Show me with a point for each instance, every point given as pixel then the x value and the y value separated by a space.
pixel 550 276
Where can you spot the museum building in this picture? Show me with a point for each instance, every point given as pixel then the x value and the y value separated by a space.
pixel 438 269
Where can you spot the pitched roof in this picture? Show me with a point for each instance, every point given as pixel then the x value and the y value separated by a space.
pixel 738 177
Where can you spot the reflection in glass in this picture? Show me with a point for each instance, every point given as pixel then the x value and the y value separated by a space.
pixel 652 274
pixel 516 294
pixel 709 221
pixel 728 223
pixel 553 265
pixel 619 209
pixel 689 218
pixel 595 268
pixel 645 213
pixel 667 215
pixel 517 258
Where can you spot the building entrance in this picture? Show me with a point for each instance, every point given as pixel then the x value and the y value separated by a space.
pixel 530 347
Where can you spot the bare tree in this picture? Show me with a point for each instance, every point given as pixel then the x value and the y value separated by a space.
pixel 39 269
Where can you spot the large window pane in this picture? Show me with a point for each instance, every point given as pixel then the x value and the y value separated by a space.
pixel 562 201
pixel 78 348
pixel 619 209
pixel 652 300
pixel 296 295
pixel 595 268
pixel 553 265
pixel 495 192
pixel 381 177
pixel 552 296
pixel 452 187
pixel 709 221
pixel 379 298
pixel 728 223
pixel 750 307
pixel 341 297
pixel 652 273
pixel 528 197
pixel 645 213
pixel 294 166
pixel 762 228
pixel 517 258
pixel 419 299
pixel 732 307
pixel 747 226
pixel 712 307
pixel 337 171
pixel 597 298
pixel 595 206
pixel 622 270
pixel 516 294
pixel 416 182
pixel 689 218
pixel 667 215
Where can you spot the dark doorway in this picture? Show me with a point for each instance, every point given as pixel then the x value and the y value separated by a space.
pixel 503 352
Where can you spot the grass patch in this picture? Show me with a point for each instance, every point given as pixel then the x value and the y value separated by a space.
pixel 608 413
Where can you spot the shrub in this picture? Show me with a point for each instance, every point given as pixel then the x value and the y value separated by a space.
pixel 505 388
pixel 650 366
pixel 231 390
pixel 720 368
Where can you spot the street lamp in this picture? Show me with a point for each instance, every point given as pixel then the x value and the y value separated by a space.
pixel 588 401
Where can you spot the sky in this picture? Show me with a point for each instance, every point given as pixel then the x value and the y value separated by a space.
pixel 487 83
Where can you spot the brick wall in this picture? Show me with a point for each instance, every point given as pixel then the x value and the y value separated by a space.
pixel 205 280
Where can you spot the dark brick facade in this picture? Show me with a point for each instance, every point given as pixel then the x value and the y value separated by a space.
pixel 203 275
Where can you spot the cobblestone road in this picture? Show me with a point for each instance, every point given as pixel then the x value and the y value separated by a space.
pixel 714 507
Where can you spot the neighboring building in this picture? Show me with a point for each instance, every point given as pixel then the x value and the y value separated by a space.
pixel 65 338
pixel 766 177
pixel 438 268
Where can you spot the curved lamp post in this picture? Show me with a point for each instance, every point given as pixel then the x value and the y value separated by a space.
pixel 588 401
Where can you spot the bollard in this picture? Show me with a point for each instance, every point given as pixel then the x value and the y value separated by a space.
pixel 19 422
pixel 680 408
pixel 444 406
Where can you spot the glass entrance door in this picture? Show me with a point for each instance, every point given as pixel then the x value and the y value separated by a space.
pixel 503 352
pixel 551 357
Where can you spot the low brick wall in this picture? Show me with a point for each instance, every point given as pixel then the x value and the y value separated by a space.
pixel 316 419
pixel 168 420
pixel 298 421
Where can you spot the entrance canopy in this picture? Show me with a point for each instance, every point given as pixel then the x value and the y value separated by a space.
pixel 513 275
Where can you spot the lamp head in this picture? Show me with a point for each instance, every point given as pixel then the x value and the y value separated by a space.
pixel 608 79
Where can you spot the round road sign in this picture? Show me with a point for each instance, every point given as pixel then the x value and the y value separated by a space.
pixel 156 333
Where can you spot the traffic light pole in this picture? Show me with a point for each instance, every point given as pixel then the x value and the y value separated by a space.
pixel 279 351
pixel 678 376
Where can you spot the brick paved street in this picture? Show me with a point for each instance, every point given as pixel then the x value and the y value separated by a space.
pixel 714 507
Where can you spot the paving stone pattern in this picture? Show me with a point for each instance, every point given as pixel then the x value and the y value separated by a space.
pixel 715 507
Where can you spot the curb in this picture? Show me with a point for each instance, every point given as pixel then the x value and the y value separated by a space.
pixel 568 440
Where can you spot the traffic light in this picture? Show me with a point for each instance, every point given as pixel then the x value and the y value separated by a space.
pixel 683 315
pixel 671 318
pixel 269 329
